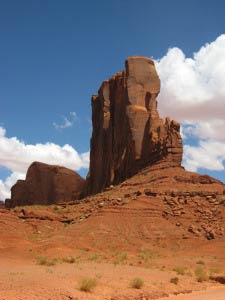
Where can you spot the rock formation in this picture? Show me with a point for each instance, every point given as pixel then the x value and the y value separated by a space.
pixel 46 184
pixel 128 133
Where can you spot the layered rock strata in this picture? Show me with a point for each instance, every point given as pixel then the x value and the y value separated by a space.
pixel 128 133
pixel 46 184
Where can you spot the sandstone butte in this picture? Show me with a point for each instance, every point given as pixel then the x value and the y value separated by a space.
pixel 128 136
pixel 46 184
pixel 128 133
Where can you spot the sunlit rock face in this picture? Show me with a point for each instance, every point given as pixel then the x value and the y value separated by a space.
pixel 128 133
pixel 46 184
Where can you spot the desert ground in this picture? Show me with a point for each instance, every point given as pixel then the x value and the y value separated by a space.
pixel 123 233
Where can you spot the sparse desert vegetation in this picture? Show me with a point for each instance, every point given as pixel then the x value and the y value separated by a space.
pixel 201 274
pixel 44 261
pixel 87 284
pixel 137 283
pixel 120 258
pixel 180 270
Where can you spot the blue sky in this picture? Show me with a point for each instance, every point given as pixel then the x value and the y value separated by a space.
pixel 55 54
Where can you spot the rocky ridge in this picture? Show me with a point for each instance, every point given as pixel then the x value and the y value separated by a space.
pixel 171 202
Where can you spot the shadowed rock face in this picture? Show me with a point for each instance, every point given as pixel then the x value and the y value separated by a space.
pixel 46 184
pixel 128 133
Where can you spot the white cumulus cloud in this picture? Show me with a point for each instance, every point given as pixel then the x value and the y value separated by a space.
pixel 6 185
pixel 209 154
pixel 193 92
pixel 193 87
pixel 16 156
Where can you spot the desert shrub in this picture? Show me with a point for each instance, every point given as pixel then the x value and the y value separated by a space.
pixel 180 270
pixel 87 284
pixel 137 283
pixel 44 261
pixel 174 280
pixel 201 274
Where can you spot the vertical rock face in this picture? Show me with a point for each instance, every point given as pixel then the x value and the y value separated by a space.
pixel 128 133
pixel 46 184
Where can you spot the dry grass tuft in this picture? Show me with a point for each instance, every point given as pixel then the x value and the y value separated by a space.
pixel 44 261
pixel 87 284
pixel 137 283
pixel 201 274
pixel 180 270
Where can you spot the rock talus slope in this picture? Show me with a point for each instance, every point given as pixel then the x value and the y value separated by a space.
pixel 46 184
pixel 128 133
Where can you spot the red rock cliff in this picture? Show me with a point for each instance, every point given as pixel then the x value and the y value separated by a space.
pixel 46 184
pixel 128 133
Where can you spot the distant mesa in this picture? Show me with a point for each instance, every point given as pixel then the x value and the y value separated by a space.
pixel 46 184
pixel 128 133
